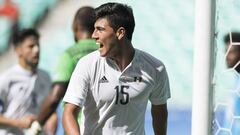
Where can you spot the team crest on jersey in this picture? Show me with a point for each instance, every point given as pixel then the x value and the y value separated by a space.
pixel 103 80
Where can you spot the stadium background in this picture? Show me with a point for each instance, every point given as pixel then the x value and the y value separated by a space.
pixel 165 29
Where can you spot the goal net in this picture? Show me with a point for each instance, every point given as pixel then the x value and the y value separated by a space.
pixel 226 120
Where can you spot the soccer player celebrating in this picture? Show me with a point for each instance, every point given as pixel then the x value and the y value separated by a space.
pixel 113 85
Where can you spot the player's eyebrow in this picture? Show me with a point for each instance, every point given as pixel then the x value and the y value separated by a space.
pixel 100 28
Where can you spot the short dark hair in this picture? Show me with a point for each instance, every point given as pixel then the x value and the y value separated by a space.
pixel 21 35
pixel 85 17
pixel 235 37
pixel 118 15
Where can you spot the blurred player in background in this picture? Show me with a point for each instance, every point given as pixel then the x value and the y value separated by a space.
pixel 232 60
pixel 233 56
pixel 114 84
pixel 83 27
pixel 22 87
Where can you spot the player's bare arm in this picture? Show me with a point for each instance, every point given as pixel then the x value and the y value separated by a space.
pixel 70 115
pixel 51 125
pixel 22 123
pixel 159 117
pixel 51 102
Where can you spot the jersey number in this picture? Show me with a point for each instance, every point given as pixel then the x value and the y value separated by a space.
pixel 122 96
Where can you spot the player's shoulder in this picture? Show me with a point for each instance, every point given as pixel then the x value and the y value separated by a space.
pixel 10 72
pixel 91 57
pixel 72 49
pixel 43 74
pixel 151 65
pixel 69 51
pixel 149 59
pixel 82 46
pixel 5 75
pixel 88 63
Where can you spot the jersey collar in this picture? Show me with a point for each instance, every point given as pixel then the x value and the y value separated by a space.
pixel 113 64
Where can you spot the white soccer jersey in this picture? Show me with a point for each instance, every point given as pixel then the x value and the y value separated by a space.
pixel 114 102
pixel 21 94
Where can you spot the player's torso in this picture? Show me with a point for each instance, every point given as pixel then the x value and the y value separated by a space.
pixel 118 98
pixel 130 86
pixel 26 94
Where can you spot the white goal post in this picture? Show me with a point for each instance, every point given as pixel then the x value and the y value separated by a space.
pixel 203 67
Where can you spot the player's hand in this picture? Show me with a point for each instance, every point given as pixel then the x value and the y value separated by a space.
pixel 35 129
pixel 26 121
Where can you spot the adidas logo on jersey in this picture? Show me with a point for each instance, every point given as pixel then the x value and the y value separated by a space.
pixel 103 80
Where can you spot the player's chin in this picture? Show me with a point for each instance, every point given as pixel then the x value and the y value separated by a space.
pixel 102 52
pixel 230 64
pixel 34 63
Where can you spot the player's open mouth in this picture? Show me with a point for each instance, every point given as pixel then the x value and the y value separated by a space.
pixel 100 45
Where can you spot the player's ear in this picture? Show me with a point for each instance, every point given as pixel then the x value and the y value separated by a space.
pixel 120 33
pixel 18 50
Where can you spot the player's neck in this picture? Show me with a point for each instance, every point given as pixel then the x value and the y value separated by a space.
pixel 26 66
pixel 125 56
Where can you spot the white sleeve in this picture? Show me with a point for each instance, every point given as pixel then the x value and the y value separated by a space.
pixel 79 84
pixel 161 91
